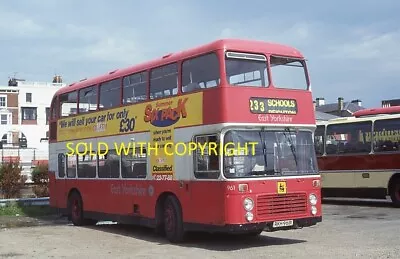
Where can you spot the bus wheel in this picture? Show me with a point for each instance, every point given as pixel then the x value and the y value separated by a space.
pixel 395 192
pixel 76 209
pixel 173 223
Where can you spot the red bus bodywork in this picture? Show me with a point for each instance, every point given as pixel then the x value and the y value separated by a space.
pixel 215 204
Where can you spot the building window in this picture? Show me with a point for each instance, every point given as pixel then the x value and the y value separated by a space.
pixel 29 113
pixel 47 115
pixel 4 119
pixel 3 100
pixel 28 97
pixel 4 139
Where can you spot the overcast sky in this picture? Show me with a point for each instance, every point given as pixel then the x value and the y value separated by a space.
pixel 351 45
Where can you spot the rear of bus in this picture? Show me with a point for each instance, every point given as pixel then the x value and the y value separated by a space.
pixel 273 184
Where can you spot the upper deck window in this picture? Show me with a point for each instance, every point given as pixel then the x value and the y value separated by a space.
pixel 164 81
pixel 53 109
pixel 246 69
pixel 200 72
pixel 288 73
pixel 88 99
pixel 68 104
pixel 135 88
pixel 110 94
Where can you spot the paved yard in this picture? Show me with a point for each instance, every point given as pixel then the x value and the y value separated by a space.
pixel 347 231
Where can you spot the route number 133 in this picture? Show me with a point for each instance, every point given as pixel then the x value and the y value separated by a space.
pixel 256 105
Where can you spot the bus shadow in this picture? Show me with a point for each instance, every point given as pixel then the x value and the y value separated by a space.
pixel 358 202
pixel 215 242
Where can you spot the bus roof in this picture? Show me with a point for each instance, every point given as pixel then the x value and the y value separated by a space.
pixel 231 44
pixel 378 111
pixel 359 119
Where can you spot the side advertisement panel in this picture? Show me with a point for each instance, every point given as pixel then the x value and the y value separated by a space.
pixel 159 118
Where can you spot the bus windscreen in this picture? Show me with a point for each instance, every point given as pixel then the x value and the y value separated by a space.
pixel 276 153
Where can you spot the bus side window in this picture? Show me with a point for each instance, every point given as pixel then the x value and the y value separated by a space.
pixel 87 166
pixel 198 70
pixel 68 104
pixel 135 88
pixel 348 138
pixel 134 165
pixel 164 81
pixel 206 157
pixel 108 164
pixel 110 94
pixel 88 99
pixel 319 140
pixel 386 135
pixel 61 165
pixel 71 166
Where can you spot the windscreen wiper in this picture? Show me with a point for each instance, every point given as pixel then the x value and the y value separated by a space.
pixel 292 147
pixel 261 133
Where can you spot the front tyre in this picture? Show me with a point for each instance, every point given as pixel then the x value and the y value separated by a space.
pixel 173 223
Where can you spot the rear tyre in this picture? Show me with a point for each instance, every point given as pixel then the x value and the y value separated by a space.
pixel 395 192
pixel 75 209
pixel 173 223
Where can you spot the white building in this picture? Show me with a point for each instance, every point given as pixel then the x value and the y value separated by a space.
pixel 24 111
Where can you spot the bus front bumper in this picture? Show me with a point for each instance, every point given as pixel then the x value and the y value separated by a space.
pixel 265 226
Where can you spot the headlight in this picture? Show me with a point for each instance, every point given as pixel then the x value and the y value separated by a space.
pixel 314 210
pixel 249 216
pixel 248 204
pixel 313 199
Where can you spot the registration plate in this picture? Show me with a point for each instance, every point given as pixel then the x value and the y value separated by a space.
pixel 283 223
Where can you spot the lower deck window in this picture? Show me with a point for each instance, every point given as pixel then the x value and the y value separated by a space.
pixel 108 164
pixel 71 166
pixel 134 165
pixel 206 157
pixel 87 166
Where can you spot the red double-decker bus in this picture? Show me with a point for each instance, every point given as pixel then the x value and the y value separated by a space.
pixel 359 156
pixel 175 115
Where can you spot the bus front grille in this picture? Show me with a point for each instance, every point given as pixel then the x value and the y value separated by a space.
pixel 288 204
